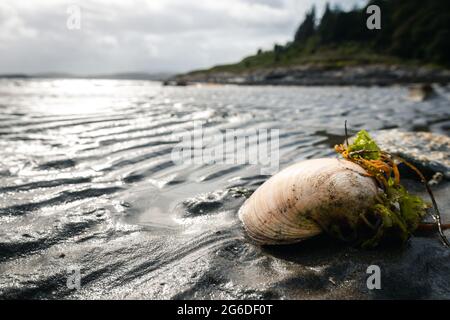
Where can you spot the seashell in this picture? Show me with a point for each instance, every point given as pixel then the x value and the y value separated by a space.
pixel 308 198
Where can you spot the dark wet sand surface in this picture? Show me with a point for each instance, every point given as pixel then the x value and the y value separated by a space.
pixel 86 180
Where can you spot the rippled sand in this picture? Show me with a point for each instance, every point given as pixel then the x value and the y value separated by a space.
pixel 87 180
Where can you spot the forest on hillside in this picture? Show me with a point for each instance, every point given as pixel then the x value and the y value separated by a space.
pixel 410 29
pixel 413 32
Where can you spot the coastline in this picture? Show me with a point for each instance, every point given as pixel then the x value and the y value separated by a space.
pixel 313 75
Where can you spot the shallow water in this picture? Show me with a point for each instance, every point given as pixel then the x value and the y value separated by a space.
pixel 87 181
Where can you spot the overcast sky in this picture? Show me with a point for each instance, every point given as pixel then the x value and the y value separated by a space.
pixel 143 35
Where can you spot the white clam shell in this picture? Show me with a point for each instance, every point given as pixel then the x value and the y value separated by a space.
pixel 307 198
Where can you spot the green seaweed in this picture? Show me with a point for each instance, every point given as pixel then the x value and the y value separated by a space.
pixel 397 212
pixel 400 214
pixel 392 226
pixel 364 146
pixel 412 208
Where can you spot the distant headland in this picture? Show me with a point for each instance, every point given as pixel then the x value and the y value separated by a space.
pixel 339 49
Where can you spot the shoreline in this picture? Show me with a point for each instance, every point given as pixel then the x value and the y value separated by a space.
pixel 379 75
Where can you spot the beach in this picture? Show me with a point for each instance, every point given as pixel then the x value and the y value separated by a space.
pixel 88 183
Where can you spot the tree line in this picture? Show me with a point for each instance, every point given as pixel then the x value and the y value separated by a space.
pixel 410 29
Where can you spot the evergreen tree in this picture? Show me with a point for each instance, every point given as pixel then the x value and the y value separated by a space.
pixel 327 25
pixel 307 28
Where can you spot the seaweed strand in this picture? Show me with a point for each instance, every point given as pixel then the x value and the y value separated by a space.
pixel 346 133
pixel 437 214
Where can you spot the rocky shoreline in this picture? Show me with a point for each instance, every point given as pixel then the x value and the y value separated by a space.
pixel 320 75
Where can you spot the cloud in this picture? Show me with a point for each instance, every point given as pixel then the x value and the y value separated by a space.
pixel 142 35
